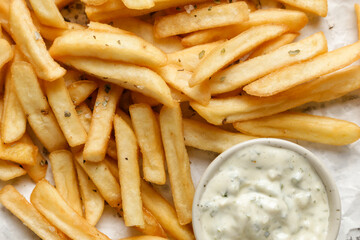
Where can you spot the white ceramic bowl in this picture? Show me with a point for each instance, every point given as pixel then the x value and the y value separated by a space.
pixel 328 181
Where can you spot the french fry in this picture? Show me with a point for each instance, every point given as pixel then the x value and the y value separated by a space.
pixel 200 19
pixel 101 122
pixel 72 76
pixel 147 131
pixel 128 162
pixel 294 20
pixel 66 183
pixel 113 167
pixel 178 96
pixel 145 237
pixel 92 200
pixel 293 75
pixel 274 44
pixel 139 4
pixel 165 213
pixel 241 108
pixel 13 122
pixel 303 127
pixel 207 137
pixel 108 46
pixel 140 98
pixel 6 52
pixel 4 14
pixel 145 31
pixel 102 27
pixel 111 150
pixel 190 57
pixel 246 72
pixel 47 13
pixel 233 49
pixel 54 208
pixel 65 113
pixel 85 116
pixel 30 42
pixel 20 152
pixel 22 209
pixel 79 91
pixel 357 12
pixel 36 108
pixel 93 2
pixel 179 79
pixel 62 3
pixel 177 162
pixel 318 7
pixel 9 170
pixel 128 76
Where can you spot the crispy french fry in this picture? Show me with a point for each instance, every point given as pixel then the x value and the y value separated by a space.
pixel 6 52
pixel 111 150
pixel 178 78
pixel 62 3
pixel 233 49
pixel 102 27
pixel 64 173
pixel 4 14
pixel 128 162
pixel 113 167
pixel 274 44
pixel 140 98
pixel 246 72
pixel 93 2
pixel 178 96
pixel 128 76
pixel 293 75
pixel 65 113
pixel 177 162
pixel 108 46
pixel 200 19
pixel 147 130
pixel 139 4
pixel 92 200
pixel 10 170
pixel 294 20
pixel 145 237
pixel 30 42
pixel 72 76
pixel 20 152
pixel 318 7
pixel 36 108
pixel 101 122
pixel 85 116
pixel 303 127
pixel 357 12
pixel 145 31
pixel 241 108
pixel 207 137
pixel 79 91
pixel 165 213
pixel 13 122
pixel 17 205
pixel 54 208
pixel 47 13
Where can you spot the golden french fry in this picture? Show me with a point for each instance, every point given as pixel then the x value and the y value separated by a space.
pixel 4 14
pixel 274 44
pixel 47 13
pixel 303 127
pixel 140 98
pixel 72 76
pixel 54 208
pixel 101 122
pixel 200 19
pixel 145 31
pixel 85 116
pixel 318 7
pixel 145 237
pixel 294 20
pixel 64 173
pixel 246 72
pixel 179 78
pixel 102 27
pixel 190 57
pixel 79 91
pixel 139 4
pixel 165 213
pixel 178 96
pixel 20 152
pixel 93 2
pixel 36 108
pixel 128 162
pixel 92 200
pixel 357 12
pixel 6 52
pixel 233 49
pixel 207 137
pixel 65 113
pixel 10 170
pixel 108 46
pixel 241 108
pixel 147 130
pixel 30 42
pixel 177 162
pixel 13 122
pixel 22 209
pixel 128 76
pixel 111 150
pixel 293 75
pixel 113 167
pixel 62 3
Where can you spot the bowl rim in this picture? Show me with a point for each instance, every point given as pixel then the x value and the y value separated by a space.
pixel 319 167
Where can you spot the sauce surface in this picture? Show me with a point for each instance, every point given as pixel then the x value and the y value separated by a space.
pixel 265 192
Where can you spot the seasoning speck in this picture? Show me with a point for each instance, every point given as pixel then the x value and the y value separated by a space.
pixel 223 51
pixel 294 52
pixel 201 54
pixel 107 88
pixel 67 114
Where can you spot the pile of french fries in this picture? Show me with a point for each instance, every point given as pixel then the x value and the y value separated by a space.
pixel 107 101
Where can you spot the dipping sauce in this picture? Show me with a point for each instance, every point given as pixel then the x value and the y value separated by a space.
pixel 265 192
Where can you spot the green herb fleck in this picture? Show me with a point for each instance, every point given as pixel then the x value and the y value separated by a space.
pixel 222 78
pixel 43 162
pixel 223 51
pixel 201 54
pixel 294 52
pixel 209 9
pixel 67 114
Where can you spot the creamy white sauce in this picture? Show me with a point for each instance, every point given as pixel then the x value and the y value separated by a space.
pixel 265 192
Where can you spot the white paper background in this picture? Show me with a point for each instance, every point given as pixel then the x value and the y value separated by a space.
pixel 344 163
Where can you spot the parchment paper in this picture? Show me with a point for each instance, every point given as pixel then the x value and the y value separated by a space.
pixel 343 162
